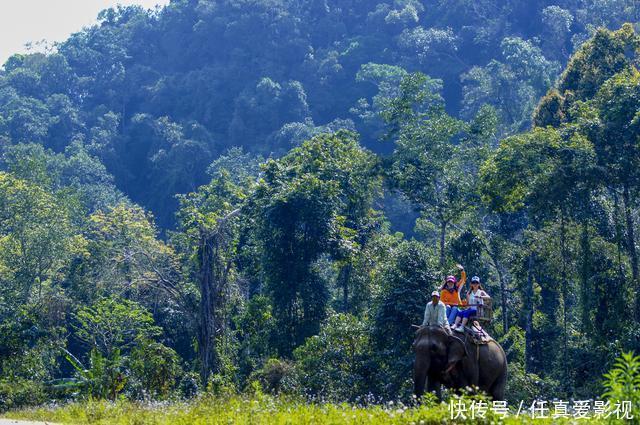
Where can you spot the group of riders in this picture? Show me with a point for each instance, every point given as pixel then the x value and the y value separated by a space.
pixel 449 310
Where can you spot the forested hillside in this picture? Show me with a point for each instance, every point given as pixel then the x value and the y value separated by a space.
pixel 221 195
pixel 157 96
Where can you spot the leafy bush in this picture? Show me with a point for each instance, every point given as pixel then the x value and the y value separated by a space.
pixel 332 364
pixel 522 385
pixel 277 376
pixel 123 354
pixel 622 383
pixel 21 393
pixel 255 326
pixel 114 324
pixel 189 384
pixel 155 370
pixel 103 378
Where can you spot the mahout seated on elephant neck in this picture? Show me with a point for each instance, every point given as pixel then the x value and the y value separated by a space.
pixel 425 330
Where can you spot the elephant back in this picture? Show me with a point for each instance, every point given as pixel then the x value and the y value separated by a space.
pixel 478 338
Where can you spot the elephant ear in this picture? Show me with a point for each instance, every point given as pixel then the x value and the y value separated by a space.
pixel 456 351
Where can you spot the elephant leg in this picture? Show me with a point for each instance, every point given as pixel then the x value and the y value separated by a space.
pixel 419 377
pixel 435 386
pixel 497 389
pixel 470 371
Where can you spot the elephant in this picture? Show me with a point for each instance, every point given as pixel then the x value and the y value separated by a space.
pixel 456 362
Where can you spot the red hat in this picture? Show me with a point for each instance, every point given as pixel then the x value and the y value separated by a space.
pixel 451 279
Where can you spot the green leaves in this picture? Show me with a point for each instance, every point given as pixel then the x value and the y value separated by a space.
pixel 539 170
pixel 606 54
pixel 426 162
pixel 123 354
pixel 112 324
pixel 332 364
pixel 37 239
pixel 201 210
pixel 436 156
pixel 512 86
pixel 314 202
pixel 622 382
pixel 417 98
pixel 616 139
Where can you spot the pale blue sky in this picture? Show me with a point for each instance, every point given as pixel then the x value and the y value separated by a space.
pixel 23 21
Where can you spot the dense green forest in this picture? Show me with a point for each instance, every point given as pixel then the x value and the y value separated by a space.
pixel 225 195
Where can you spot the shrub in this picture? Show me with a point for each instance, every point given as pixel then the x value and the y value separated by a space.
pixel 155 370
pixel 123 354
pixel 622 383
pixel 21 393
pixel 277 376
pixel 524 386
pixel 332 364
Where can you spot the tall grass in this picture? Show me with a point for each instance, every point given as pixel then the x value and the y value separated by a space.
pixel 256 407
pixel 259 409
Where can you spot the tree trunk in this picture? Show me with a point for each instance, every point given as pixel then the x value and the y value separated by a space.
pixel 493 254
pixel 631 244
pixel 586 292
pixel 213 277
pixel 565 294
pixel 618 228
pixel 528 330
pixel 503 300
pixel 345 276
pixel 443 235
pixel 128 280
pixel 207 344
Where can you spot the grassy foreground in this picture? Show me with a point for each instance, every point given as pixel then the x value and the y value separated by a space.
pixel 256 410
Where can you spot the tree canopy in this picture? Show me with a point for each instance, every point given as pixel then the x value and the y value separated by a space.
pixel 222 196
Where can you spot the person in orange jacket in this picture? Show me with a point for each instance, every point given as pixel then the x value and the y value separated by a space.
pixel 450 294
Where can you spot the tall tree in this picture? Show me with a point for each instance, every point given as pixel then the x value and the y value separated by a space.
pixel 210 219
pixel 311 203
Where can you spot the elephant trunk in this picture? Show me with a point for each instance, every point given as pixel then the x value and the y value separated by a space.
pixel 420 372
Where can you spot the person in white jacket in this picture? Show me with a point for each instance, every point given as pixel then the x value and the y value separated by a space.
pixel 475 301
pixel 435 314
